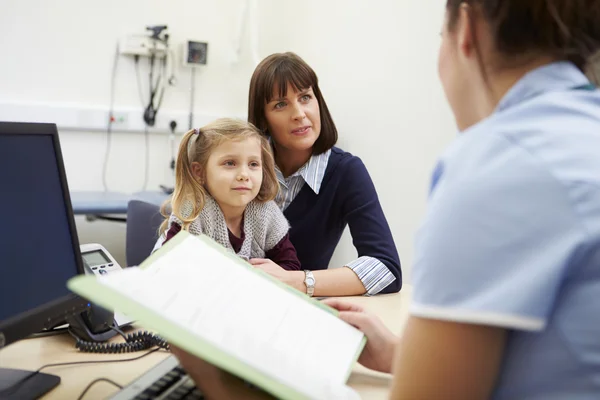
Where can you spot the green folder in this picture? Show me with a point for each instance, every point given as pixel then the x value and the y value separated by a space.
pixel 180 293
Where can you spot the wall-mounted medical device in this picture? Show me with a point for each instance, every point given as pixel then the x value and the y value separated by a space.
pixel 194 53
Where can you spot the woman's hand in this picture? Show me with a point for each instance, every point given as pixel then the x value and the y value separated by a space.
pixel 378 353
pixel 294 279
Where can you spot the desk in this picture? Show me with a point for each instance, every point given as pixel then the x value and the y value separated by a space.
pixel 31 354
pixel 96 205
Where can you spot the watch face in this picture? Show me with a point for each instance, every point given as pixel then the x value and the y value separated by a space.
pixel 310 281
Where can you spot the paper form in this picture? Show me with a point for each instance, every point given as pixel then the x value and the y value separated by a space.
pixel 244 314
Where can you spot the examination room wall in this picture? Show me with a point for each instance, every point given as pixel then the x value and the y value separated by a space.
pixel 376 62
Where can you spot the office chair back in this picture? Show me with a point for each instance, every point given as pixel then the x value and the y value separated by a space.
pixel 143 221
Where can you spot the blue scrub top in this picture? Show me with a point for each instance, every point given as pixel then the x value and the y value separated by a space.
pixel 512 235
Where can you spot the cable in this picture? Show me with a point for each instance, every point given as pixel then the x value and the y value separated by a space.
pixel 113 80
pixel 96 381
pixel 151 72
pixel 172 78
pixel 10 390
pixel 147 166
pixel 149 112
pixel 173 126
pixel 156 87
pixel 146 132
pixel 119 331
pixel 136 341
pixel 254 31
pixel 192 98
pixel 163 79
pixel 240 30
pixel 139 79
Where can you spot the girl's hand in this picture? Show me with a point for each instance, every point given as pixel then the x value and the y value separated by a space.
pixel 270 268
pixel 294 279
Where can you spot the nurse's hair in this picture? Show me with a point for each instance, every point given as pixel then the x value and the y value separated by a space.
pixel 196 146
pixel 563 29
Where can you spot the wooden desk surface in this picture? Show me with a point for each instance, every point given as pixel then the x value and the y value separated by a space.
pixel 31 354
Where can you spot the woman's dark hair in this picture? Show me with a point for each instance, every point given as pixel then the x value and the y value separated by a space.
pixel 564 29
pixel 276 72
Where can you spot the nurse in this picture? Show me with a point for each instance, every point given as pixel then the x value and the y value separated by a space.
pixel 506 278
pixel 506 301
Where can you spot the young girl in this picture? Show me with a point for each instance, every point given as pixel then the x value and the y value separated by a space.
pixel 224 188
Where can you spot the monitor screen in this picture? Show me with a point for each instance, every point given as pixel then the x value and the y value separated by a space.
pixel 36 247
pixel 39 250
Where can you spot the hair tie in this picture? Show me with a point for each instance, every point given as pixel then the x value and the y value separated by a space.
pixel 191 144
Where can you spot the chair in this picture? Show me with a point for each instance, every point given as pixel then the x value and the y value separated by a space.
pixel 143 221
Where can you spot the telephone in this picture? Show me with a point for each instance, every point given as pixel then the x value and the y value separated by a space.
pixel 97 324
pixel 100 262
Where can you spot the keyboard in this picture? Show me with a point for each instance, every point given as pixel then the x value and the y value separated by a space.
pixel 166 381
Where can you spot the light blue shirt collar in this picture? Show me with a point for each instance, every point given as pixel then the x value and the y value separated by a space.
pixel 556 76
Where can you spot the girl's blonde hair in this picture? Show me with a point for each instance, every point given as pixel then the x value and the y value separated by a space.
pixel 196 146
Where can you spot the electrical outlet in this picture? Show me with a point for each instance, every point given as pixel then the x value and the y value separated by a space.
pixel 120 120
pixel 143 46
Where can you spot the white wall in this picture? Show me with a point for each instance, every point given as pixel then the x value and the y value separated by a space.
pixel 61 52
pixel 377 65
pixel 376 62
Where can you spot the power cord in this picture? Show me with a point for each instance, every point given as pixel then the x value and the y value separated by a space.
pixel 14 387
pixel 92 383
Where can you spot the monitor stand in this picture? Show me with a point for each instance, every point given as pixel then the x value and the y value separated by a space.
pixel 25 385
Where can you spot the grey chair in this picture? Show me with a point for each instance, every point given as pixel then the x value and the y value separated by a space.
pixel 143 221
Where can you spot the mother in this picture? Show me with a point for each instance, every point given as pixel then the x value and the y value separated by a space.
pixel 322 188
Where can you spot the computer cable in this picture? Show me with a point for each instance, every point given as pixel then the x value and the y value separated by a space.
pixel 92 383
pixel 10 390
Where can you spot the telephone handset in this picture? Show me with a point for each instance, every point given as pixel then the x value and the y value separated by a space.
pixel 97 324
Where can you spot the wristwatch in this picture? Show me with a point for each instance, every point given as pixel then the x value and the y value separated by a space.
pixel 309 281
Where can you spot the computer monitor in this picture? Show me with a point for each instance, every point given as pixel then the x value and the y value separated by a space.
pixel 39 249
